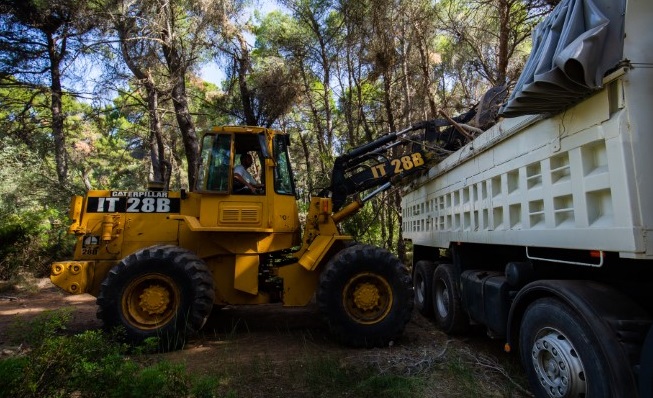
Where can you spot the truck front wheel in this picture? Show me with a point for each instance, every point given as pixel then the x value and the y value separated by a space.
pixel 366 296
pixel 161 291
pixel 560 353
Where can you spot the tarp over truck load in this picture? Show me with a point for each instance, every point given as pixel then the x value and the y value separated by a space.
pixel 573 49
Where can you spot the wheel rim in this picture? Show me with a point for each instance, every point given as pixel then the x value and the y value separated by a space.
pixel 150 301
pixel 420 289
pixel 557 364
pixel 367 298
pixel 442 299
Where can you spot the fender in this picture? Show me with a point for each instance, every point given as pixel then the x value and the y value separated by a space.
pixel 316 251
pixel 607 311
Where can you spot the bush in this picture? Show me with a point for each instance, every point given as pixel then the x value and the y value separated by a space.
pixel 91 364
pixel 31 240
pixel 13 236
pixel 47 324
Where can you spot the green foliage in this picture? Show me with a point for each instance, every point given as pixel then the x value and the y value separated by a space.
pixel 33 204
pixel 373 224
pixel 389 386
pixel 204 387
pixel 326 377
pixel 12 236
pixel 11 374
pixel 90 364
pixel 31 240
pixel 43 326
pixel 464 377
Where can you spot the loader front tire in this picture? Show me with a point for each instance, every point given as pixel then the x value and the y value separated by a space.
pixel 366 296
pixel 161 291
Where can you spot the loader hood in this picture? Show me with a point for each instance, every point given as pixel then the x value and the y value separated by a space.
pixel 573 48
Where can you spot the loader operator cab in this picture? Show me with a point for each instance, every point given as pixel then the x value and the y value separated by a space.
pixel 226 151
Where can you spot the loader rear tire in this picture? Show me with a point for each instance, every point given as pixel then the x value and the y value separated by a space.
pixel 161 291
pixel 366 296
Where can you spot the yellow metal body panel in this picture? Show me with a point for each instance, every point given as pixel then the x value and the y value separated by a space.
pixel 72 276
pixel 299 285
pixel 320 246
pixel 315 251
pixel 75 213
pixel 80 276
pixel 246 274
pixel 223 269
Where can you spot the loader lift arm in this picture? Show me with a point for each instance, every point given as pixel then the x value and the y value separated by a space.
pixel 390 159
pixel 383 162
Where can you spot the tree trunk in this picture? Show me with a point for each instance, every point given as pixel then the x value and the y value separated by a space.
pixel 161 168
pixel 408 115
pixel 504 37
pixel 317 119
pixel 425 68
pixel 188 134
pixel 177 69
pixel 307 156
pixel 57 112
pixel 157 151
pixel 243 66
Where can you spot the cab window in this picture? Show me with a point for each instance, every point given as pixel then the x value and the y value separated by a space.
pixel 215 159
pixel 283 179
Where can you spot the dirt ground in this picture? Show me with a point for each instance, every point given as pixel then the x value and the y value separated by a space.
pixel 282 335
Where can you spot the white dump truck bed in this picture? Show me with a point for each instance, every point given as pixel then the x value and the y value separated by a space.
pixel 581 179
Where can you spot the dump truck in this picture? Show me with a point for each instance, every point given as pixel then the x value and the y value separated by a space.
pixel 159 261
pixel 539 230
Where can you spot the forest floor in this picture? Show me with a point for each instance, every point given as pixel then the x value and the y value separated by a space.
pixel 279 340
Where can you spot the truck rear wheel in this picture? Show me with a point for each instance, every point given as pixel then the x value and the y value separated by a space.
pixel 366 296
pixel 560 353
pixel 448 310
pixel 422 284
pixel 161 291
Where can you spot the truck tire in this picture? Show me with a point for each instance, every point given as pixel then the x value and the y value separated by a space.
pixel 366 296
pixel 160 291
pixel 447 307
pixel 646 367
pixel 560 352
pixel 422 284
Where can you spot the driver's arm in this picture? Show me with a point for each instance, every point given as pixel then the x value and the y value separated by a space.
pixel 244 181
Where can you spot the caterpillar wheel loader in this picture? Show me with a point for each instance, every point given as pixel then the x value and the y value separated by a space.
pixel 159 261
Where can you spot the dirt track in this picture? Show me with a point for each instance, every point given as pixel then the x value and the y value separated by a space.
pixel 281 335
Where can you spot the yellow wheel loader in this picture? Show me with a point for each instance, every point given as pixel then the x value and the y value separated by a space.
pixel 158 261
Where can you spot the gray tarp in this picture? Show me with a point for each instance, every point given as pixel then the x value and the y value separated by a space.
pixel 573 48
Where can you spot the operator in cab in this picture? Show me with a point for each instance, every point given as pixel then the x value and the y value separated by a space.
pixel 243 176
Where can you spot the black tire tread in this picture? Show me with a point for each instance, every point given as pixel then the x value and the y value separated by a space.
pixel 456 321
pixel 348 262
pixel 199 278
pixel 551 312
pixel 424 269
